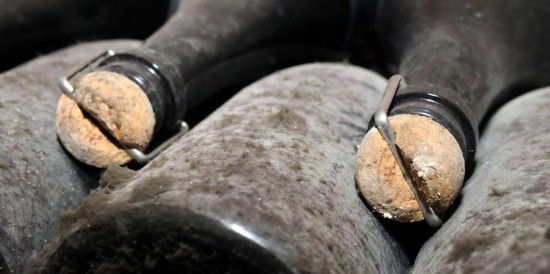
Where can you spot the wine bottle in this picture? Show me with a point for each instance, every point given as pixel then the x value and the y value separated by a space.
pixel 459 60
pixel 152 81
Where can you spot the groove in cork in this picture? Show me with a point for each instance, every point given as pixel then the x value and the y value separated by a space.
pixel 114 103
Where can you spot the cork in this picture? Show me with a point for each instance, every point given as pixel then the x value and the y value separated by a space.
pixel 431 154
pixel 108 105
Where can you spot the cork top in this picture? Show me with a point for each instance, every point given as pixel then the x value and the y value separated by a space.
pixel 114 107
pixel 433 157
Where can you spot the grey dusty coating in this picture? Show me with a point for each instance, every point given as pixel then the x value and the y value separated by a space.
pixel 117 105
pixel 432 156
pixel 502 224
pixel 38 180
pixel 277 160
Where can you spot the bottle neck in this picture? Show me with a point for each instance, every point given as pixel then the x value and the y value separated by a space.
pixel 449 82
pixel 154 84
pixel 453 60
pixel 426 100
pixel 187 46
pixel 202 33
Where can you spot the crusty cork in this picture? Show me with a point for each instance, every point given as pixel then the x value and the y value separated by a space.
pixel 432 155
pixel 119 105
pixel 84 139
pixel 116 104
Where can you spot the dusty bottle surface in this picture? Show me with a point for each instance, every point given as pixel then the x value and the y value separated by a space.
pixel 501 224
pixel 270 169
pixel 37 179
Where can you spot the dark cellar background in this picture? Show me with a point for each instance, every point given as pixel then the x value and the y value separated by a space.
pixel 29 28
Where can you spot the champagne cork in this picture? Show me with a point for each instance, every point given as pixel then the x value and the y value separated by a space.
pixel 110 112
pixel 432 156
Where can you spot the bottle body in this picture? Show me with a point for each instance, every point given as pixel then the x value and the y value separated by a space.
pixel 505 202
pixel 38 180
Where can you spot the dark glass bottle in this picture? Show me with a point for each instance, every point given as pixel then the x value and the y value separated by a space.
pixel 245 40
pixel 462 59
pixel 205 47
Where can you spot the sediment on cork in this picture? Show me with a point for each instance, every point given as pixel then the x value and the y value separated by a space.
pixel 433 157
pixel 110 112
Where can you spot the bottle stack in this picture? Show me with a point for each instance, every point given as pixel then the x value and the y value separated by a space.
pixel 264 184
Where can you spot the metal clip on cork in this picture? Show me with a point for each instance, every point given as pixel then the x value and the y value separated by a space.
pixel 384 127
pixel 64 82
pixel 136 154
